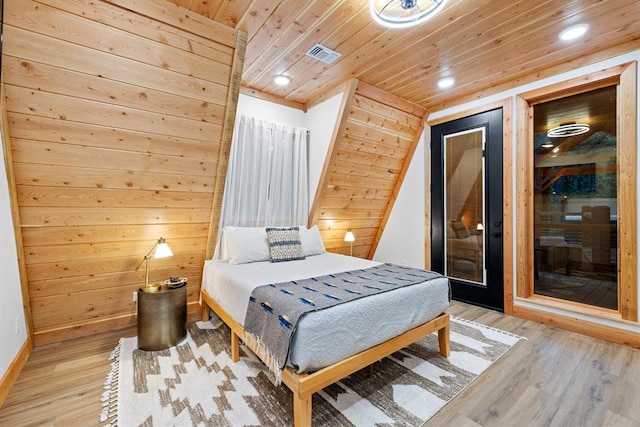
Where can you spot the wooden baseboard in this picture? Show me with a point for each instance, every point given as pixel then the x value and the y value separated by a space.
pixel 575 324
pixel 9 378
pixel 64 333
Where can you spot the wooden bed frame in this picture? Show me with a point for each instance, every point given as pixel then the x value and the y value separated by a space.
pixel 303 385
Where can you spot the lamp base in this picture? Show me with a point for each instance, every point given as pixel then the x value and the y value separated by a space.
pixel 151 287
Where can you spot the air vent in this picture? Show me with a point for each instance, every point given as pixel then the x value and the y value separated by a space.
pixel 322 53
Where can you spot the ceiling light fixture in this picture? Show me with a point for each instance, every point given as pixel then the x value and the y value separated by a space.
pixel 404 13
pixel 547 145
pixel 446 82
pixel 568 129
pixel 282 80
pixel 573 32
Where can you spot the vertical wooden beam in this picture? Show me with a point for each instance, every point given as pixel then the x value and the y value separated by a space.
pixel 524 201
pixel 507 204
pixel 627 193
pixel 225 143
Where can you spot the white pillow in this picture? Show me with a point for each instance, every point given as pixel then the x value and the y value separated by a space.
pixel 245 244
pixel 311 241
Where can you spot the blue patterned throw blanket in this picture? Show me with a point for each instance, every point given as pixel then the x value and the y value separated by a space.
pixel 275 309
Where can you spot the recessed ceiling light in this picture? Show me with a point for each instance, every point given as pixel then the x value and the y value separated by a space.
pixel 573 32
pixel 547 145
pixel 446 82
pixel 282 80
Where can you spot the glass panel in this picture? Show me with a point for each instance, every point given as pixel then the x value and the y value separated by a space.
pixel 464 205
pixel 576 201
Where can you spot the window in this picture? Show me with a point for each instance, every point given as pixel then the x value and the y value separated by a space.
pixel 575 205
pixel 578 205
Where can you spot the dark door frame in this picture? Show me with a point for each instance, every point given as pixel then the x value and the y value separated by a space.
pixel 491 295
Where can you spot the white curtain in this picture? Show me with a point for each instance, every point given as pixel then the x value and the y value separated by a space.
pixel 267 182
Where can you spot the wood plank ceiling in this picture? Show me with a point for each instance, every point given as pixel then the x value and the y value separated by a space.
pixel 486 45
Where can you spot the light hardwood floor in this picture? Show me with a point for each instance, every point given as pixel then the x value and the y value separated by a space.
pixel 554 378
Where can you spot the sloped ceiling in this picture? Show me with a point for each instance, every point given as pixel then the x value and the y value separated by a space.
pixel 120 120
pixel 487 45
pixel 374 140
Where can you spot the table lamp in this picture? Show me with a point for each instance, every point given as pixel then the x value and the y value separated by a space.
pixel 162 250
pixel 349 237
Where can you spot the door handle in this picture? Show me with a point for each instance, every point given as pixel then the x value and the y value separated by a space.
pixel 496 233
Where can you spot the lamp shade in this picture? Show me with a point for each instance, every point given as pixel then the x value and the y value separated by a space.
pixel 162 249
pixel 349 237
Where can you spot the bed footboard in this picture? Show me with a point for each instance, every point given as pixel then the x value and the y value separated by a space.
pixel 304 385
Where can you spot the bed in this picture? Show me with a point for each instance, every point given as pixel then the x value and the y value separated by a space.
pixel 352 329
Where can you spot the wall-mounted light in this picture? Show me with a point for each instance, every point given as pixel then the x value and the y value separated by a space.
pixel 282 80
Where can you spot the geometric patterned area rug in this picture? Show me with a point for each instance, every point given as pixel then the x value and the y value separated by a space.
pixel 196 384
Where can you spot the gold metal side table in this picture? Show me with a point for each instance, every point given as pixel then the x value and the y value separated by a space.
pixel 162 317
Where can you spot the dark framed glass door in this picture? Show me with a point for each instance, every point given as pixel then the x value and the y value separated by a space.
pixel 466 204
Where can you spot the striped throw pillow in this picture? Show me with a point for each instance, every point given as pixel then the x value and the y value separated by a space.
pixel 284 244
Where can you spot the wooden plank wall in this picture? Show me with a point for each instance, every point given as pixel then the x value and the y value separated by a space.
pixel 374 140
pixel 118 113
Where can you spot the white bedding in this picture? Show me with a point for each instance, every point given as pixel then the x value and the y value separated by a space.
pixel 328 336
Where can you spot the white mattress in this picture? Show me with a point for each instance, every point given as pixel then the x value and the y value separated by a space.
pixel 328 336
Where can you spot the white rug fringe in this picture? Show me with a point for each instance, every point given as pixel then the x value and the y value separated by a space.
pixel 481 325
pixel 109 414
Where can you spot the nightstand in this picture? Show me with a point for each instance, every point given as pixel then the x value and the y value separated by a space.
pixel 162 317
